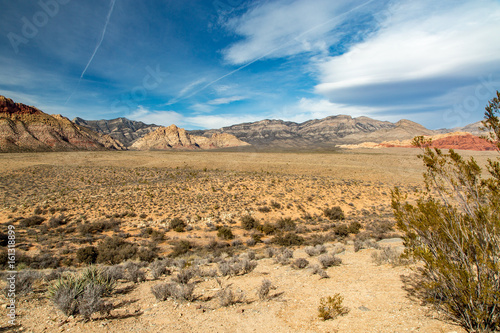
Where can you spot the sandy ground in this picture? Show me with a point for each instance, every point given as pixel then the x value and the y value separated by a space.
pixel 374 294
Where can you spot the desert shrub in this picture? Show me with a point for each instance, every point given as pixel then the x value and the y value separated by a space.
pixel 91 300
pixel 114 250
pixel 389 255
pixel 31 221
pixel 55 222
pixel 300 263
pixel 264 289
pixel 341 230
pixel 185 275
pixel 99 226
pixel 334 213
pixel 81 294
pixel 225 233
pixel 181 247
pixel 87 255
pixel 147 253
pixel 454 230
pixel 173 290
pixel 115 272
pixel 227 296
pixel 288 239
pixel 270 252
pixel 264 209
pixel 248 222
pixel 315 250
pixel 178 225
pixel 24 282
pixel 329 260
pixel 134 272
pixel 331 307
pixel 267 228
pixel 285 224
pixel 354 227
pixel 321 272
pixel 250 242
pixel 275 205
pixel 159 268
pixel 42 260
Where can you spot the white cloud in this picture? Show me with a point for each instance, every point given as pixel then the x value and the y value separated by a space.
pixel 226 100
pixel 283 28
pixel 164 118
pixel 423 49
pixel 203 108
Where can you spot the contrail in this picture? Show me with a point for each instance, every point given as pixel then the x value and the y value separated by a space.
pixel 112 6
pixel 274 50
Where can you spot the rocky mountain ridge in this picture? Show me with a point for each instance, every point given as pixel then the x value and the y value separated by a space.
pixel 173 137
pixel 122 129
pixel 26 128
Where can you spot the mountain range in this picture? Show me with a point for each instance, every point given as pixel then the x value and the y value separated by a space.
pixel 26 128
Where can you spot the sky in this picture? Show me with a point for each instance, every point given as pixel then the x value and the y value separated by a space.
pixel 213 63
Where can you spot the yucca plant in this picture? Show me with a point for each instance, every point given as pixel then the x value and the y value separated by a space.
pixel 69 292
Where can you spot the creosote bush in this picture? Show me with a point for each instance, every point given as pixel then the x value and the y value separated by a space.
pixel 331 307
pixel 334 213
pixel 454 229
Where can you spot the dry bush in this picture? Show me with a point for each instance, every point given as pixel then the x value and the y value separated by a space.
pixel 174 290
pixel 331 307
pixel 329 260
pixel 264 289
pixel 389 255
pixel 300 263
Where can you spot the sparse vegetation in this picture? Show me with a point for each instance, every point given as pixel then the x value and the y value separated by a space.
pixel 331 307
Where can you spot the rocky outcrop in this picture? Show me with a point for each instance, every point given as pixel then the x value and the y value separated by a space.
pixel 122 129
pixel 173 137
pixel 26 128
pixel 456 140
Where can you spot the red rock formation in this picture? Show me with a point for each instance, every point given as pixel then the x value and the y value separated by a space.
pixel 25 128
pixel 457 141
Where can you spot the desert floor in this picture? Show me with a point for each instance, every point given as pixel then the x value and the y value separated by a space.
pixel 83 198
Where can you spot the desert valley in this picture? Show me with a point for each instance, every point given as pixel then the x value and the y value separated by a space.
pixel 247 228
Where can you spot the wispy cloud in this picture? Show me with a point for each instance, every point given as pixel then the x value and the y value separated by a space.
pixel 423 50
pixel 283 28
pixel 226 100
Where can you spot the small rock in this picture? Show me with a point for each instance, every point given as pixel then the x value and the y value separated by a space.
pixel 363 308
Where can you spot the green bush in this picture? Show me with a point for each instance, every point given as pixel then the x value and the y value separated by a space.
pixel 288 239
pixel 178 225
pixel 225 233
pixel 248 222
pixel 87 255
pixel 331 307
pixel 115 250
pixel 454 229
pixel 285 224
pixel 334 213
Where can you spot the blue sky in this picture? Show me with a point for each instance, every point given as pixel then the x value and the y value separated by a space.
pixel 208 64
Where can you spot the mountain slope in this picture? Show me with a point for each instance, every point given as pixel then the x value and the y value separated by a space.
pixel 326 132
pixel 26 128
pixel 173 137
pixel 122 129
